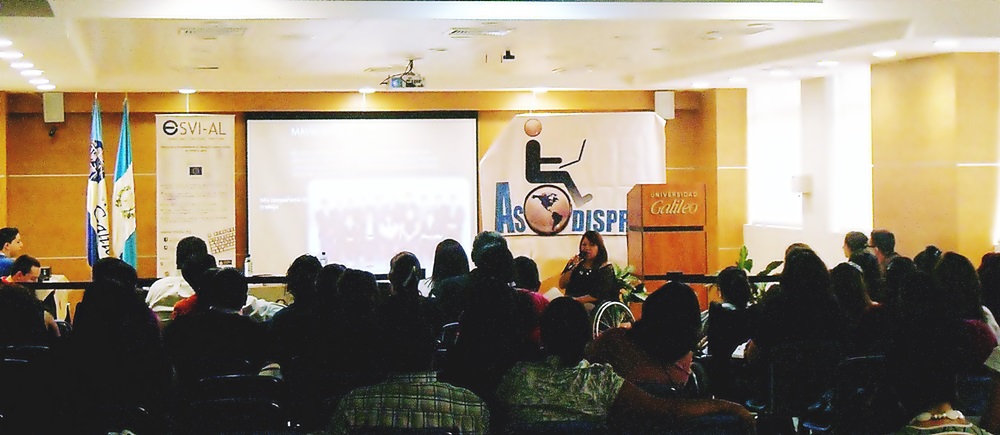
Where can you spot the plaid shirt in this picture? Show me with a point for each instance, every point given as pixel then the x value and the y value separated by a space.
pixel 412 400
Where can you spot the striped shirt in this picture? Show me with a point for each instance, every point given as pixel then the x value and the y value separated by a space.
pixel 412 401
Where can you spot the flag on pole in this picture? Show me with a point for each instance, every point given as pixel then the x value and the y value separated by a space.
pixel 98 236
pixel 123 205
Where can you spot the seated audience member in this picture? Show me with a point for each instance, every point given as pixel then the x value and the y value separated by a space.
pixel 455 293
pixel 527 284
pixel 115 349
pixel 883 244
pixel 27 269
pixel 566 387
pixel 989 280
pixel 492 335
pixel 404 278
pixel 169 290
pixel 927 259
pixel 801 309
pixel 872 274
pixel 196 271
pixel 216 339
pixel 10 248
pixel 412 397
pixel 326 283
pixel 923 364
pixel 292 328
pixel 865 320
pixel 22 319
pixel 855 242
pixel 729 325
pixel 658 349
pixel 450 260
pixel 357 324
pixel 956 275
pixel 895 273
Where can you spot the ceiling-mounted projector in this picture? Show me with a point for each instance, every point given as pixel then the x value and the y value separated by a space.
pixel 405 79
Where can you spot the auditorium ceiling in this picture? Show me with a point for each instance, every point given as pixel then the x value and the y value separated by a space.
pixel 316 45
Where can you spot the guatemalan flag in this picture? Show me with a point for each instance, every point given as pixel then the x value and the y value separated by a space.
pixel 98 236
pixel 123 205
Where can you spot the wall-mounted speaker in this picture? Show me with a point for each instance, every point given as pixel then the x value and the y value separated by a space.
pixel 52 107
pixel 663 103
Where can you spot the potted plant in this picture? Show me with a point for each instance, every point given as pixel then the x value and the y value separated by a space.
pixel 631 292
pixel 746 263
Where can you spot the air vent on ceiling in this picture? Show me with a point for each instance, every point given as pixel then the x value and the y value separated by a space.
pixel 474 32
pixel 211 31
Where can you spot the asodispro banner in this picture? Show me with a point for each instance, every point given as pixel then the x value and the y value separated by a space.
pixel 195 186
pixel 550 177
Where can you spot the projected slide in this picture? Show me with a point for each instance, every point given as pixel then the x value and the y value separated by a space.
pixel 360 190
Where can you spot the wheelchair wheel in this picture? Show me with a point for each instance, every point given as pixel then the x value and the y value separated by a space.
pixel 611 315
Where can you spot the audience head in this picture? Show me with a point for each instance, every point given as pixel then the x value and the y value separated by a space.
pixel 989 280
pixel 496 263
pixel 871 272
pixel 407 339
pixel 920 298
pixel 927 259
pixel 883 242
pixel 594 239
pixel 955 275
pixel 526 274
pixel 113 270
pixel 326 281
pixel 795 247
pixel 358 290
pixel 25 269
pixel 734 286
pixel 189 247
pixel 449 260
pixel 195 270
pixel 301 276
pixel 848 283
pixel 805 275
pixel 565 327
pixel 404 273
pixel 10 242
pixel 671 322
pixel 20 315
pixel 483 240
pixel 228 290
pixel 855 241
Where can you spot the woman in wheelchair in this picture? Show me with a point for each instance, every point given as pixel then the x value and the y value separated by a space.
pixel 588 277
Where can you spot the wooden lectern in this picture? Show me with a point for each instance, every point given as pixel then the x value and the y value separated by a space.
pixel 666 233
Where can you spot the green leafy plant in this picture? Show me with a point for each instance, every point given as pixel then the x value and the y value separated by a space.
pixel 630 289
pixel 746 263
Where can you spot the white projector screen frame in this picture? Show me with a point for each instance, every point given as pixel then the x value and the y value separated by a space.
pixel 359 186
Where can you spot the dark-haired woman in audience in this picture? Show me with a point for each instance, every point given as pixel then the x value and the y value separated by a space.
pixel 898 269
pixel 588 277
pixel 527 283
pixel 657 350
pixel 866 321
pixel 450 260
pixel 729 325
pixel 404 277
pixel 872 274
pixel 115 346
pixel 989 279
pixel 956 274
pixel 565 387
pixel 927 259
pixel 292 329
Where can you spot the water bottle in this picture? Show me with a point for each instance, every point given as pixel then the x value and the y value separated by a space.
pixel 247 266
pixel 322 258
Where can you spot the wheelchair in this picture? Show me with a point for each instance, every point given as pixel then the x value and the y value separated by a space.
pixel 610 315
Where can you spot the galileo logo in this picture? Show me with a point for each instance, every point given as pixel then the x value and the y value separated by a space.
pixel 170 127
pixel 547 210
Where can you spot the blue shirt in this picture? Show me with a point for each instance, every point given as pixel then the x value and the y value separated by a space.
pixel 5 264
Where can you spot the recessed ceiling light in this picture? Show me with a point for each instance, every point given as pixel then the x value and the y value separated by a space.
pixel 31 72
pixel 38 81
pixel 11 55
pixel 827 63
pixel 537 91
pixel 22 65
pixel 780 72
pixel 46 87
pixel 367 91
pixel 738 80
pixel 701 85
pixel 6 42
pixel 884 54
pixel 946 43
pixel 186 91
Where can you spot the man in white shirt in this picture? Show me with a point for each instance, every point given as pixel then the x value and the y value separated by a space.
pixel 167 291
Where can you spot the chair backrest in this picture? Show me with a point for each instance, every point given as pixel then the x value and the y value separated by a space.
pixel 401 431
pixel 448 336
pixel 799 373
pixel 973 392
pixel 239 386
pixel 233 403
